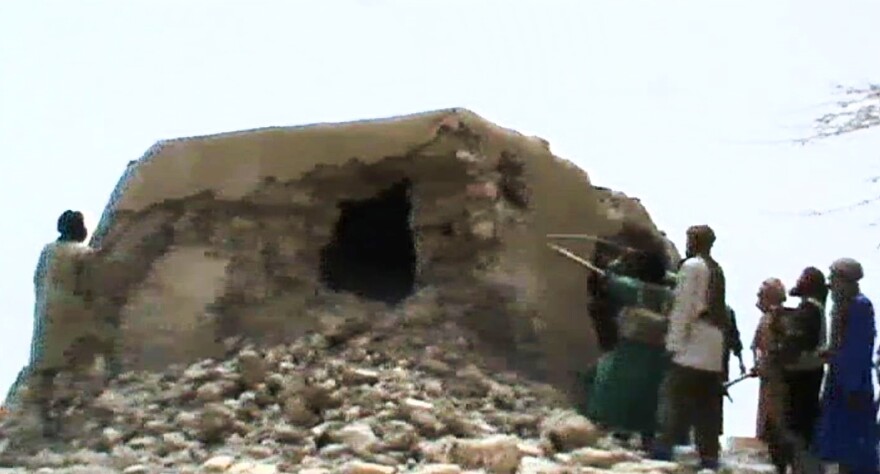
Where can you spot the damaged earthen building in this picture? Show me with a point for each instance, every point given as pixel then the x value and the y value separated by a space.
pixel 271 233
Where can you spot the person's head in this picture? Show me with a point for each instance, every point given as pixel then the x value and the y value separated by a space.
pixel 771 294
pixel 811 284
pixel 72 227
pixel 700 239
pixel 651 266
pixel 844 277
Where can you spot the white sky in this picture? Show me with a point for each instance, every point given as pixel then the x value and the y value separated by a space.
pixel 685 104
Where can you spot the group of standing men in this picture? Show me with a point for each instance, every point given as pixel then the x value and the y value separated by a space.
pixel 666 375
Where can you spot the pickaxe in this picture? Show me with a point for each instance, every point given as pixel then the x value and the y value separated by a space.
pixel 572 256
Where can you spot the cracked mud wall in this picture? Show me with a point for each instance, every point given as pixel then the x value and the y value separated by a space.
pixel 221 236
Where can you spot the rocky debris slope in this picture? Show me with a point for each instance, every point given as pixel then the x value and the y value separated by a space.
pixel 387 397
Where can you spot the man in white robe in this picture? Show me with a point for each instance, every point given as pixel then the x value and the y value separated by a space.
pixel 692 391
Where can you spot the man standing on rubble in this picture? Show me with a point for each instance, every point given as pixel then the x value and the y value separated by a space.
pixel 623 386
pixel 61 315
pixel 733 345
pixel 772 351
pixel 847 430
pixel 803 377
pixel 696 342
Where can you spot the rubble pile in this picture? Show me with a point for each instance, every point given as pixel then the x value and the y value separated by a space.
pixel 389 396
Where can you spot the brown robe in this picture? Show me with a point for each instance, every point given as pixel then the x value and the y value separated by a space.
pixel 760 346
pixel 773 425
pixel 771 395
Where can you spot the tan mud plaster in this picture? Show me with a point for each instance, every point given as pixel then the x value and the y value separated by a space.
pixel 170 306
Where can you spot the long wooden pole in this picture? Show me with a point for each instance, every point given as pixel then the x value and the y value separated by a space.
pixel 572 256
pixel 567 253
pixel 592 238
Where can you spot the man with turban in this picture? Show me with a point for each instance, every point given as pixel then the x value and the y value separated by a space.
pixel 847 430
pixel 698 322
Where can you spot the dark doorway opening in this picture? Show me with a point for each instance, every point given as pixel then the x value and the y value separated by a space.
pixel 373 252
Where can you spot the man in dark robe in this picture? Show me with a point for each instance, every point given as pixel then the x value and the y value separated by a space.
pixel 803 377
pixel 847 428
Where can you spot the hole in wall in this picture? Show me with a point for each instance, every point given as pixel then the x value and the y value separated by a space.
pixel 372 253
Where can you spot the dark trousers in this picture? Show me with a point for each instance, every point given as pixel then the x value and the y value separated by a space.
pixel 792 402
pixel 802 410
pixel 693 399
pixel 780 449
pixel 787 448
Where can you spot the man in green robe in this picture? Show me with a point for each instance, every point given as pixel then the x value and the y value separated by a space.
pixel 623 388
